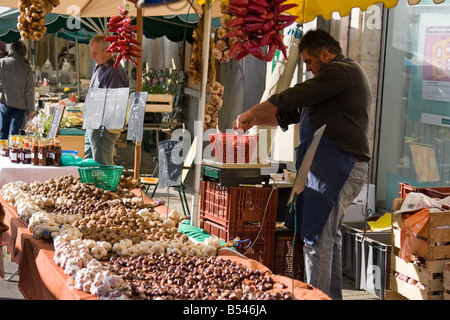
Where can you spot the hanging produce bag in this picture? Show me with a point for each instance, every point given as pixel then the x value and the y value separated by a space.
pixel 412 225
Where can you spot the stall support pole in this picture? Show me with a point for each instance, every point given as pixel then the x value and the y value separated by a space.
pixel 55 41
pixel 201 112
pixel 138 146
pixel 77 64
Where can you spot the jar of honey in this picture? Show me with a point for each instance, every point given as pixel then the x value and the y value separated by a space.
pixel 50 154
pixel 35 151
pixel 4 148
pixel 57 153
pixel 4 151
pixel 12 140
pixel 26 142
pixel 42 152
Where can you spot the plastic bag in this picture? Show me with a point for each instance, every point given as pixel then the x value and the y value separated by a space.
pixel 382 224
pixel 412 225
pixel 70 160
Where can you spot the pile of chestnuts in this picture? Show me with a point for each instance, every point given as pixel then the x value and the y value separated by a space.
pixel 172 277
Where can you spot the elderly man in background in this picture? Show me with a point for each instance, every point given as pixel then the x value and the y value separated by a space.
pixel 16 90
pixel 99 143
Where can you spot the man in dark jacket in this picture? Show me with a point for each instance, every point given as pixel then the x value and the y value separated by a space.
pixel 339 97
pixel 17 90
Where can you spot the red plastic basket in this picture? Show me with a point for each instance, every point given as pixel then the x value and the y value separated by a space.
pixel 283 255
pixel 432 192
pixel 233 147
pixel 247 213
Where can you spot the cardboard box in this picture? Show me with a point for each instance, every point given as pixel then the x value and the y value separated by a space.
pixel 357 210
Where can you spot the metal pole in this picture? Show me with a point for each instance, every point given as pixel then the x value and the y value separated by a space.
pixel 55 50
pixel 201 111
pixel 138 146
pixel 77 64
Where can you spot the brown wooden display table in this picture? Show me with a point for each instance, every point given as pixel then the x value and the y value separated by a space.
pixel 41 279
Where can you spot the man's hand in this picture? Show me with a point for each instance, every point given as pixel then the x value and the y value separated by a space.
pixel 262 114
pixel 244 121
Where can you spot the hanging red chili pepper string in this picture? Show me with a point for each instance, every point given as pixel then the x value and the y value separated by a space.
pixel 256 24
pixel 124 42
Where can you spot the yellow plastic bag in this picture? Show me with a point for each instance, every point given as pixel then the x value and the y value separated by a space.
pixel 384 223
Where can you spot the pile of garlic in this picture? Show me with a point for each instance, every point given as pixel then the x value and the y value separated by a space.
pixel 43 223
pixel 75 257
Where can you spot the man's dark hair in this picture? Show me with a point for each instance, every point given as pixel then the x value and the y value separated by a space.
pixel 18 47
pixel 314 41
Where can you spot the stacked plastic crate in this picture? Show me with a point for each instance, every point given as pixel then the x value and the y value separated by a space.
pixel 245 214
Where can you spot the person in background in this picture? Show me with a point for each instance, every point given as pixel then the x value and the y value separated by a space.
pixel 338 96
pixel 99 143
pixel 16 90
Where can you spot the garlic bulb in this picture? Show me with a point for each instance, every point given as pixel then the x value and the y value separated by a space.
pixel 133 250
pixel 120 249
pixel 158 249
pixel 144 250
pixel 105 244
pixel 170 222
pixel 176 244
pixel 90 243
pixel 174 215
pixel 215 242
pixel 126 242
pixel 184 251
pixel 147 243
pixel 98 252
pixel 209 251
pixel 38 231
pixel 195 252
pixel 174 251
pixel 114 281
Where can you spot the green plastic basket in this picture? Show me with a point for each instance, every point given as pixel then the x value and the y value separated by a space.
pixel 103 177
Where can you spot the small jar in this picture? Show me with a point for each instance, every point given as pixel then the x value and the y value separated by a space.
pixel 26 142
pixel 26 155
pixel 42 152
pixel 35 151
pixel 14 152
pixel 4 150
pixel 57 153
pixel 12 140
pixel 50 153
pixel 19 140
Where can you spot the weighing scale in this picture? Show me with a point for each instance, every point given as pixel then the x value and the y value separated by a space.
pixel 235 174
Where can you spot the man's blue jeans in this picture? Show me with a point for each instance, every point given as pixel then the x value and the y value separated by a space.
pixel 100 145
pixel 323 260
pixel 11 120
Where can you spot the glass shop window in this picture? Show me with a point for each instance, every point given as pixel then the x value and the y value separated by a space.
pixel 414 142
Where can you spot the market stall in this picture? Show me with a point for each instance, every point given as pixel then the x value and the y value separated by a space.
pixel 30 249
pixel 46 273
